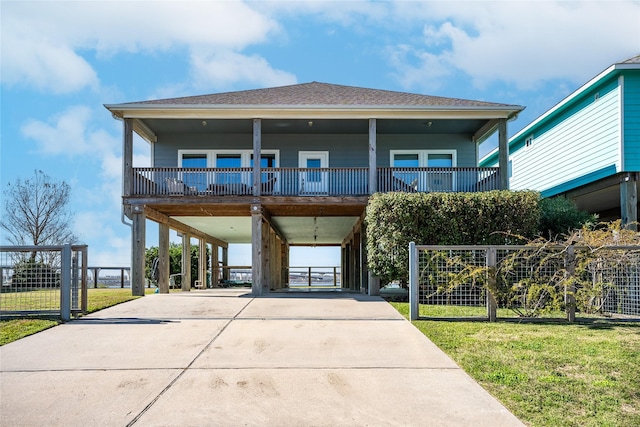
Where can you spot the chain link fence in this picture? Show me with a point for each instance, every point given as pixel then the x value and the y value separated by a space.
pixel 489 282
pixel 43 281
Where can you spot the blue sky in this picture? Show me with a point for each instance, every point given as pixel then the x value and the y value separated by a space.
pixel 61 61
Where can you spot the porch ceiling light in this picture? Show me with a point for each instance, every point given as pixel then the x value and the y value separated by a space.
pixel 428 124
pixel 204 123
pixel 310 123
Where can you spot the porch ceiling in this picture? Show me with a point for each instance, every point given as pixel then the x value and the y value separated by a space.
pixel 297 230
pixel 319 126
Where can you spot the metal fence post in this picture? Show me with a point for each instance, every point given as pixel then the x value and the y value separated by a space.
pixel 65 284
pixel 413 282
pixel 570 291
pixel 491 283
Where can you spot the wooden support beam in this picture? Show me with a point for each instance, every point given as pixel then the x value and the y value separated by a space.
pixel 183 228
pixel 163 258
pixel 256 254
pixel 257 149
pixel 225 263
pixel 138 248
pixel 127 156
pixel 186 262
pixel 373 170
pixel 629 201
pixel 202 263
pixel 503 154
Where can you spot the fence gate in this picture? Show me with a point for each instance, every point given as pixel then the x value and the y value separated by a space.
pixel 43 280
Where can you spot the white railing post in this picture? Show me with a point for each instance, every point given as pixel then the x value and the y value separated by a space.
pixel 65 283
pixel 413 282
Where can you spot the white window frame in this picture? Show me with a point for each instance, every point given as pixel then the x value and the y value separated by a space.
pixel 529 142
pixel 212 155
pixel 423 156
pixel 423 162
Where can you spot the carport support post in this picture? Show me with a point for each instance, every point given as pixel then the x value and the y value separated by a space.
pixel 202 263
pixel 163 258
pixel 491 283
pixel 413 282
pixel 138 234
pixel 186 262
pixel 629 201
pixel 256 254
pixel 225 263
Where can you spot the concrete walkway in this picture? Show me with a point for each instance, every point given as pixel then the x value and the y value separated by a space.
pixel 224 358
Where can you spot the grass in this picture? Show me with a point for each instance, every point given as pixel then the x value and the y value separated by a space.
pixel 14 329
pixel 549 374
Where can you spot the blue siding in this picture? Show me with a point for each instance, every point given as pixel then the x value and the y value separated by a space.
pixel 345 150
pixel 631 105
pixel 582 140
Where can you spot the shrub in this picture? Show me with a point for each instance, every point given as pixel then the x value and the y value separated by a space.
pixel 35 275
pixel 395 219
pixel 560 216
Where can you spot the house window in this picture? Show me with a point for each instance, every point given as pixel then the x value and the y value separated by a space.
pixel 439 160
pixel 423 158
pixel 424 180
pixel 195 180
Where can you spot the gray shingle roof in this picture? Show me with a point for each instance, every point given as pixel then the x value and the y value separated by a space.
pixel 633 60
pixel 321 94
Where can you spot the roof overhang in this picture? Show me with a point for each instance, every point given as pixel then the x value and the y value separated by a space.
pixel 159 111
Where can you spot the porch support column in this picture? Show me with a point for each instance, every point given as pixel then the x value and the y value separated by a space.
pixel 364 268
pixel 256 253
pixel 629 201
pixel 373 175
pixel 127 156
pixel 225 263
pixel 186 262
pixel 344 269
pixel 163 258
pixel 138 240
pixel 503 154
pixel 202 263
pixel 284 266
pixel 257 148
pixel 215 266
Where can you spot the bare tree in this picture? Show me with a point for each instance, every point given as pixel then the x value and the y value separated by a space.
pixel 36 211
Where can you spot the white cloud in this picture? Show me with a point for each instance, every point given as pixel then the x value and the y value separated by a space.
pixel 43 42
pixel 64 134
pixel 524 43
pixel 221 69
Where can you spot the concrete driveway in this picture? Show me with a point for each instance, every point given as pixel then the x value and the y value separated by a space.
pixel 224 358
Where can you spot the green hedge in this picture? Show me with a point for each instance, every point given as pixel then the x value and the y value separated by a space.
pixel 395 219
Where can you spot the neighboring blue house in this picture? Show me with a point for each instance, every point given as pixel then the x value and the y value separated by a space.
pixel 587 147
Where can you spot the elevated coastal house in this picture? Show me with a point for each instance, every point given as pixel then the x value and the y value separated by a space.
pixel 323 150
pixel 587 147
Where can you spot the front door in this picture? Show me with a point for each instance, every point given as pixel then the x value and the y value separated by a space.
pixel 312 181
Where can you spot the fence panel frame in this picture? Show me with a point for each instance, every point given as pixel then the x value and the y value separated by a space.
pixel 569 262
pixel 70 281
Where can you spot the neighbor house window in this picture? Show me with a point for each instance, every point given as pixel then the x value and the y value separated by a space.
pixel 528 143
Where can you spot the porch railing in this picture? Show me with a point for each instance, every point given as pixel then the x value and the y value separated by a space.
pixel 308 181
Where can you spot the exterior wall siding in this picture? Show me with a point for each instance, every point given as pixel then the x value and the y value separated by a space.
pixel 345 150
pixel 631 106
pixel 582 141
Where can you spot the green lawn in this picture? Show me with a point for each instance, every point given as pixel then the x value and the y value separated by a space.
pixel 14 329
pixel 549 374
